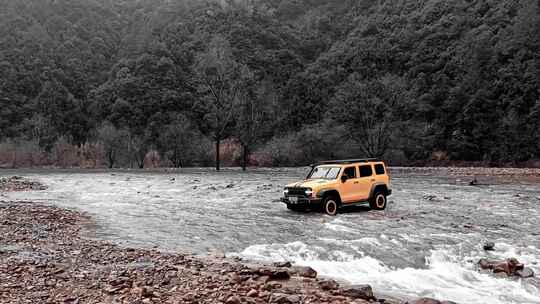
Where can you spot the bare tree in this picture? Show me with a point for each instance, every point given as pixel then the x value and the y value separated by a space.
pixel 219 77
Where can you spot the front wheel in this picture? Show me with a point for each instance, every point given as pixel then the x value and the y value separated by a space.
pixel 378 201
pixel 330 205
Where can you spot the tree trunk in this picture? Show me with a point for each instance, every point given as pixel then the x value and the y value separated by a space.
pixel 111 159
pixel 217 153
pixel 244 157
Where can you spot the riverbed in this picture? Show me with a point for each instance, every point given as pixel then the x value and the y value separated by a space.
pixel 426 243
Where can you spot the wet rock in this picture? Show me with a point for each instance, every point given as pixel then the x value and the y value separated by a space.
pixel 526 272
pixel 328 284
pixel 274 274
pixel 424 301
pixel 305 271
pixel 286 264
pixel 509 267
pixel 489 246
pixel 359 292
pixel 389 301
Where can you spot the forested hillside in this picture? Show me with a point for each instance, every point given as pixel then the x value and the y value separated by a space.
pixel 163 82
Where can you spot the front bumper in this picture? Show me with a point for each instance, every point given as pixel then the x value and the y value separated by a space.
pixel 302 201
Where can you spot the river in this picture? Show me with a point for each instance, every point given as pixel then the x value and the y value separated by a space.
pixel 426 243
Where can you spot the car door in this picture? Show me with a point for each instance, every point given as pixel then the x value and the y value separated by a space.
pixel 365 181
pixel 349 189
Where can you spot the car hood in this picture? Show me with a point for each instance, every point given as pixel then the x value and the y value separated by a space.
pixel 312 183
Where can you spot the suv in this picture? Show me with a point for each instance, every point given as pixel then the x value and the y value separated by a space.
pixel 332 184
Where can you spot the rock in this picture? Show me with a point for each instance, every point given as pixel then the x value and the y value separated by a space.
pixel 489 246
pixel 286 264
pixel 305 271
pixel 143 292
pixel 359 292
pixel 274 274
pixel 508 267
pixel 233 300
pixel 271 285
pixel 328 284
pixel 485 264
pixel 252 293
pixel 425 301
pixel 280 298
pixel 526 272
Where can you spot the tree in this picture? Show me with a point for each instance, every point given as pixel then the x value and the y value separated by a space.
pixel 179 141
pixel 220 84
pixel 113 140
pixel 366 108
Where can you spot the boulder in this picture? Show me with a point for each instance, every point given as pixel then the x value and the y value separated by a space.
pixel 359 292
pixel 328 284
pixel 274 274
pixel 525 273
pixel 305 271
pixel 489 246
pixel 508 267
pixel 285 264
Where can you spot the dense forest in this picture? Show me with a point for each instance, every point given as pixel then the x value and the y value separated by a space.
pixel 140 83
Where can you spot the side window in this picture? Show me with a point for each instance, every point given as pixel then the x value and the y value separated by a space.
pixel 379 169
pixel 365 171
pixel 350 172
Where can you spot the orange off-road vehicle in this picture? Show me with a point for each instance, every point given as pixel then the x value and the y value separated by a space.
pixel 336 183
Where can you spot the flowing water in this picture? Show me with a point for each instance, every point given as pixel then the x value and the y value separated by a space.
pixel 426 243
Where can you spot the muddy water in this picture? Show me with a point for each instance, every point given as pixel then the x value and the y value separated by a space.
pixel 425 244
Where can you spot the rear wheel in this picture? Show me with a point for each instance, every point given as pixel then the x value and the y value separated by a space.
pixel 330 205
pixel 378 201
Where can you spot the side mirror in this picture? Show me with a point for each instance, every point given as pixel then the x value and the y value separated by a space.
pixel 344 178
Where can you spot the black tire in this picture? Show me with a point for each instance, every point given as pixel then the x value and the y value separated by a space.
pixel 378 200
pixel 330 205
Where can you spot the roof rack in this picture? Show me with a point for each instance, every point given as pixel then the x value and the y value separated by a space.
pixel 345 161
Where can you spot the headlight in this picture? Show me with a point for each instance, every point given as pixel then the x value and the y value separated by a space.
pixel 309 192
pixel 285 191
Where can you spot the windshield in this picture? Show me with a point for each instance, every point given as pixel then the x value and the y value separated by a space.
pixel 324 173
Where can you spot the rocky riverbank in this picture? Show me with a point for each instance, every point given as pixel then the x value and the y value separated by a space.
pixel 44 259
pixel 17 183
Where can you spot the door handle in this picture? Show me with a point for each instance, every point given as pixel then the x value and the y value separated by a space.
pixel 372 179
pixel 356 182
